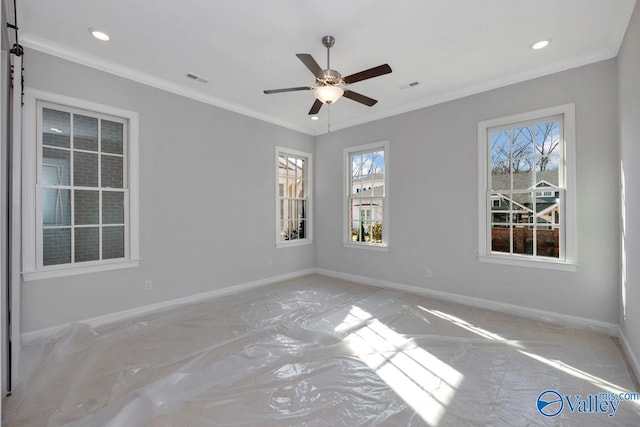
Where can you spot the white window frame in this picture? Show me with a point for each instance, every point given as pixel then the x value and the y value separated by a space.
pixel 32 268
pixel 347 152
pixel 568 235
pixel 308 186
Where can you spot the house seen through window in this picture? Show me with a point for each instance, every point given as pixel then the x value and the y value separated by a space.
pixel 293 191
pixel 367 190
pixel 83 186
pixel 81 167
pixel 527 187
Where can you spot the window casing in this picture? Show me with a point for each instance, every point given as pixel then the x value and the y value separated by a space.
pixel 366 171
pixel 293 195
pixel 80 207
pixel 526 192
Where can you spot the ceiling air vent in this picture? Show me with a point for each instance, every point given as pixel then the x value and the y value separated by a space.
pixel 197 78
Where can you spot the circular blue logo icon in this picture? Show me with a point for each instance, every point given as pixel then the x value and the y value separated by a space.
pixel 550 403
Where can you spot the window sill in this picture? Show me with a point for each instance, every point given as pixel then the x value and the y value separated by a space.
pixel 290 243
pixel 53 272
pixel 531 263
pixel 368 246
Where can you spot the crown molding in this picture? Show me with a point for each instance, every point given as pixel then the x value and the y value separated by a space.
pixel 40 44
pixel 545 70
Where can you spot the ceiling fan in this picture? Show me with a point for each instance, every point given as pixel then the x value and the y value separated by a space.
pixel 330 85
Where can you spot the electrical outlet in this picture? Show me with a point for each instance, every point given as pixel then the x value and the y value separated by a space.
pixel 428 272
pixel 148 285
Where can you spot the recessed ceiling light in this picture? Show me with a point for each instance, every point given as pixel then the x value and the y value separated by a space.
pixel 314 117
pixel 541 44
pixel 100 35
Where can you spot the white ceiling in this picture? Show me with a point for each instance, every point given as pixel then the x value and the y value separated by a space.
pixel 453 48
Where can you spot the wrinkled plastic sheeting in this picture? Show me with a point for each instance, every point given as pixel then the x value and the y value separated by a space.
pixel 315 352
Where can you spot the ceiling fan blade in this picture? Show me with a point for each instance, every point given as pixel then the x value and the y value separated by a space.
pixel 368 74
pixel 289 89
pixel 315 108
pixel 311 64
pixel 355 96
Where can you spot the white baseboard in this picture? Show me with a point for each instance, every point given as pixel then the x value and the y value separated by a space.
pixel 631 356
pixel 127 314
pixel 526 312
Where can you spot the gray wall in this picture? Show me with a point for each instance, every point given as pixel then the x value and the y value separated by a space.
pixel 196 160
pixel 207 200
pixel 433 196
pixel 629 95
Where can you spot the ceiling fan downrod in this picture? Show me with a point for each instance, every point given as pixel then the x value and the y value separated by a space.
pixel 328 42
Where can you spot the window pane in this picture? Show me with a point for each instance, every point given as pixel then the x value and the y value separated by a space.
pixel 500 146
pixel 376 232
pixel 375 210
pixel 302 229
pixel 294 231
pixel 522 142
pixel 548 225
pixel 112 137
pixel 356 165
pixel 356 185
pixel 548 242
pixel 501 238
pixel 85 169
pixel 548 138
pixel 85 133
pixel 300 164
pixel 55 128
pixel 112 176
pixel 378 186
pixel 112 242
pixel 522 208
pixel 282 174
pixel 56 207
pixel 357 231
pixel 85 207
pixel 378 162
pixel 56 246
pixel 365 163
pixel 547 169
pixel 523 175
pixel 87 244
pixel 523 240
pixel 55 167
pixel 113 207
pixel 302 209
pixel 500 176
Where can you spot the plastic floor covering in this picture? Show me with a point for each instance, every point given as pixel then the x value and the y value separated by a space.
pixel 316 351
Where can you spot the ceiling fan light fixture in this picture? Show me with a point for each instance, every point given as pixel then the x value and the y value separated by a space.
pixel 328 94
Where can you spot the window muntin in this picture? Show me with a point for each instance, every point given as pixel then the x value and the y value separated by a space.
pixel 293 195
pixel 527 199
pixel 81 186
pixel 367 195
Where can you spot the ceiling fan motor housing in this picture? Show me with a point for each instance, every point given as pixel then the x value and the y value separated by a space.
pixel 330 77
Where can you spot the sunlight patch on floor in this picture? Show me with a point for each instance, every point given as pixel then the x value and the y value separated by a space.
pixel 556 364
pixel 422 380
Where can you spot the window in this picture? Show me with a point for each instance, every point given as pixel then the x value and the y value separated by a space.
pixel 80 171
pixel 367 202
pixel 293 212
pixel 526 162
